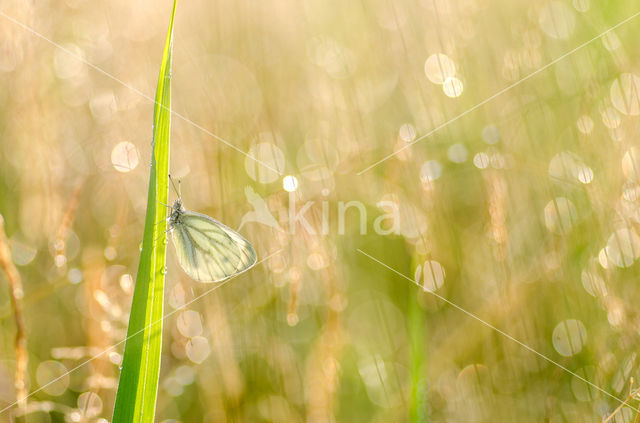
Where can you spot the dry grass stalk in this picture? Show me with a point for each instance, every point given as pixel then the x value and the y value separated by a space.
pixel 632 394
pixel 65 225
pixel 16 293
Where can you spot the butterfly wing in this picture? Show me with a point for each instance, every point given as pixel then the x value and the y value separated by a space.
pixel 209 251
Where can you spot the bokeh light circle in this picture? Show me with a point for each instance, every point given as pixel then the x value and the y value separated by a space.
pixel 557 20
pixel 569 337
pixel 90 404
pixel 430 276
pixel 198 349
pixel 623 247
pixel 631 164
pixel 438 67
pixel 585 124
pixel 625 94
pixel 290 183
pixel 560 215
pixel 407 132
pixel 52 376
pixel 457 153
pixel 430 171
pixel 125 157
pixel 189 323
pixel 452 87
pixel 491 134
pixel 265 162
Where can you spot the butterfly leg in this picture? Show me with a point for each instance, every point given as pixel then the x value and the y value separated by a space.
pixel 163 220
pixel 162 234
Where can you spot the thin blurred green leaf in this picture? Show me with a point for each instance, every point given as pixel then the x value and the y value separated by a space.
pixel 138 386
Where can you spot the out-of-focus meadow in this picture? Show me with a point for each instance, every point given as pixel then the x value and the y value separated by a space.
pixel 523 212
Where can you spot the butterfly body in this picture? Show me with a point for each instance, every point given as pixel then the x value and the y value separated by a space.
pixel 176 211
pixel 208 250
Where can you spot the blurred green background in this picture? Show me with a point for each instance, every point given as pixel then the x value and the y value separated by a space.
pixel 524 212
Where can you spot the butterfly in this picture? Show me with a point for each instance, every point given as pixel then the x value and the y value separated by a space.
pixel 208 250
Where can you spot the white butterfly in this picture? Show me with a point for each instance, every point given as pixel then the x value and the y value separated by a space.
pixel 208 250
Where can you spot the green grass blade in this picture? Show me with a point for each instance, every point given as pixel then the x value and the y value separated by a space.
pixel 138 385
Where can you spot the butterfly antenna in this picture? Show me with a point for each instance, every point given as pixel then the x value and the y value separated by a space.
pixel 177 190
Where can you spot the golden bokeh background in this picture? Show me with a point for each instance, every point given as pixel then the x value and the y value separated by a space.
pixel 513 190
